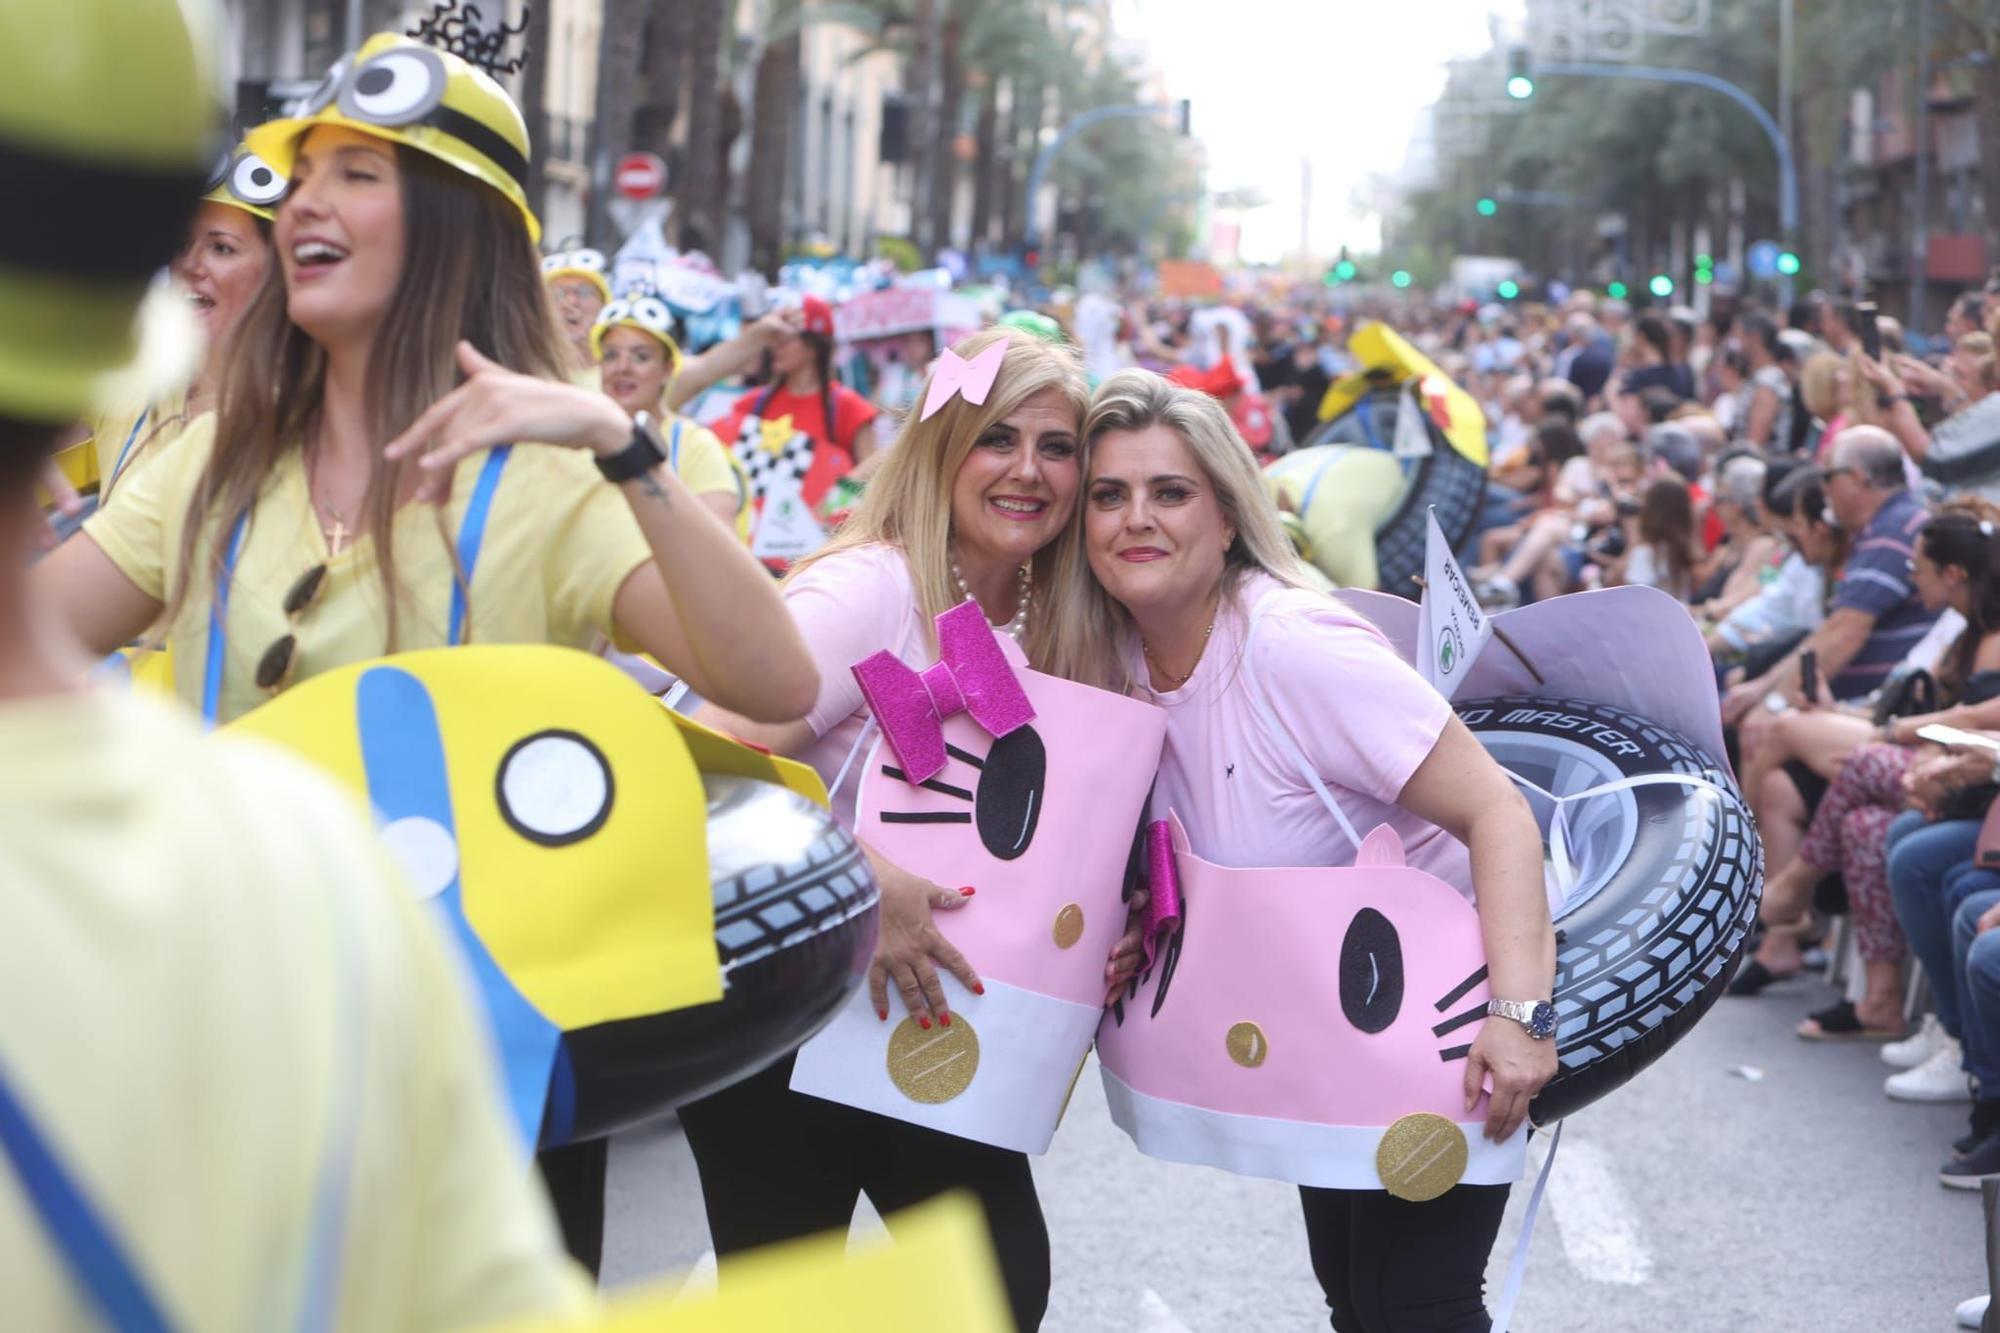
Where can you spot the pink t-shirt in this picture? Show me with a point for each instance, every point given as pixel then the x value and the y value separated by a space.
pixel 1363 717
pixel 848 606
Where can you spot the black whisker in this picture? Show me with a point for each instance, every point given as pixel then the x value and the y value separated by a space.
pixel 1459 1020
pixel 1459 991
pixel 964 758
pixel 925 817
pixel 1450 1053
pixel 942 788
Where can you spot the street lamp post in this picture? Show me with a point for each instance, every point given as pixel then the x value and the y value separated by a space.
pixel 1788 177
pixel 1083 121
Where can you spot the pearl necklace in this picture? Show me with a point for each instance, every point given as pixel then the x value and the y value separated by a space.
pixel 1019 624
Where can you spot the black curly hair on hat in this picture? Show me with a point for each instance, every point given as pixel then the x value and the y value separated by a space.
pixel 450 27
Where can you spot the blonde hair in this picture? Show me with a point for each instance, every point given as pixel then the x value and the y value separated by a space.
pixel 1820 387
pixel 908 503
pixel 1093 629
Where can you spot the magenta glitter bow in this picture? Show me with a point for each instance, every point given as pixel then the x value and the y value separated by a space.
pixel 971 676
pixel 971 380
pixel 1163 893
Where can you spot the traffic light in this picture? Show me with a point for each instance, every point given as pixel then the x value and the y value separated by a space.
pixel 1487 207
pixel 1661 286
pixel 1345 270
pixel 1704 269
pixel 1788 263
pixel 1520 76
pixel 1617 291
pixel 1400 278
pixel 1508 289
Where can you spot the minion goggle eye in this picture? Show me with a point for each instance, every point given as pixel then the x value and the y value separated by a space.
pixel 395 88
pixel 254 181
pixel 586 261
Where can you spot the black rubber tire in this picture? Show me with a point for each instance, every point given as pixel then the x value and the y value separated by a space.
pixel 1641 961
pixel 1448 480
pixel 795 939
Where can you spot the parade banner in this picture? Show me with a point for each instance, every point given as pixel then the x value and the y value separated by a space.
pixel 1041 820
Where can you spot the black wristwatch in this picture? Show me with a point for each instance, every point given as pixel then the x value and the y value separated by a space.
pixel 636 459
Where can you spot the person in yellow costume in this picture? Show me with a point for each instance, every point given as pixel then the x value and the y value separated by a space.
pixel 218 271
pixel 1341 493
pixel 346 500
pixel 580 290
pixel 638 359
pixel 240 1086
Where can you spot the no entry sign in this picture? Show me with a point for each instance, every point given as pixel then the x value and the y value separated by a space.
pixel 640 176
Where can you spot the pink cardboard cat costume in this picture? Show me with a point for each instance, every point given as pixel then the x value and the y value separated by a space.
pixel 1297 1015
pixel 1033 794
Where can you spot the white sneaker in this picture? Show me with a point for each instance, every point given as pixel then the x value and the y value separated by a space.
pixel 1938 1079
pixel 1971 1312
pixel 1916 1048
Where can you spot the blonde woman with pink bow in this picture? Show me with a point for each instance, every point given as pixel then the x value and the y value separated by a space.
pixel 974 502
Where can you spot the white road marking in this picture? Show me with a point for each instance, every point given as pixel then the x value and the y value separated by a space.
pixel 1599 1228
pixel 1155 1317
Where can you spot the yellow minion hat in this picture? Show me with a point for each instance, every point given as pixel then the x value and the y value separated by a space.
pixel 246 181
pixel 396 88
pixel 648 314
pixel 586 264
pixel 104 106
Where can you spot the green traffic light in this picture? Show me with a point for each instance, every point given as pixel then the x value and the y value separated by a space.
pixel 1487 208
pixel 1704 261
pixel 1704 276
pixel 1661 286
pixel 1400 278
pixel 1617 291
pixel 1788 263
pixel 1520 87
pixel 1345 270
pixel 1508 289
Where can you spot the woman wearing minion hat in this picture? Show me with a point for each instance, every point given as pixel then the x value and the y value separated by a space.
pixel 219 270
pixel 278 535
pixel 633 344
pixel 580 289
pixel 319 1143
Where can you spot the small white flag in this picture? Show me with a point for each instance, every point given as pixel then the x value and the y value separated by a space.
pixel 1413 436
pixel 1451 627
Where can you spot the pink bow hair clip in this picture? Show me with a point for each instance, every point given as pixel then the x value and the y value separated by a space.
pixel 971 380
pixel 971 676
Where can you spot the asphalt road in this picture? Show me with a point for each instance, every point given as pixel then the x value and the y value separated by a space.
pixel 1692 1199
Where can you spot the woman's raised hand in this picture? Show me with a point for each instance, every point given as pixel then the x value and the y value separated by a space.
pixel 497 406
pixel 1129 953
pixel 909 949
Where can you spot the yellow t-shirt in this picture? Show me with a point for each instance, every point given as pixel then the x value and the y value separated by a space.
pixel 133 436
pixel 706 467
pixel 207 973
pixel 559 541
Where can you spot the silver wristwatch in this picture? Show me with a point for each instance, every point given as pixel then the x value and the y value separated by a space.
pixel 1538 1016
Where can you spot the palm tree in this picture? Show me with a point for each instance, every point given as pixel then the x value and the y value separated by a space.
pixel 774 113
pixel 703 191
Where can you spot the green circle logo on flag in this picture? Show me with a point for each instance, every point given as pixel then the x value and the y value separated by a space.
pixel 1448 651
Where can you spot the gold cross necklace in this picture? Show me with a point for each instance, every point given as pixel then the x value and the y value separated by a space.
pixel 336 536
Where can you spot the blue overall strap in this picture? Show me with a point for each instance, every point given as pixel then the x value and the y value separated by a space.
pixel 94 1260
pixel 409 784
pixel 674 448
pixel 218 639
pixel 471 532
pixel 1312 485
pixel 126 450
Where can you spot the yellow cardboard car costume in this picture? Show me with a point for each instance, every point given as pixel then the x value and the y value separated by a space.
pixel 557 816
pixel 1364 485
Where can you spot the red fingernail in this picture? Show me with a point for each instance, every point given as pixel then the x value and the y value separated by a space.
pixel 967 891
pixel 945 1019
pixel 882 1014
pixel 979 989
pixel 924 1023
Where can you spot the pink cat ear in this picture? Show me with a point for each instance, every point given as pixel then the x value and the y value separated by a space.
pixel 1381 849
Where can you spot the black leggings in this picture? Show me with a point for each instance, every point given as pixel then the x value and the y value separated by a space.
pixel 1391 1266
pixel 776 1165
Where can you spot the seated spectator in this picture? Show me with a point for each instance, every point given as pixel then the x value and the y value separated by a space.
pixel 1749 552
pixel 1660 549
pixel 1962 452
pixel 1873 772
pixel 1767 414
pixel 1876 616
pixel 1732 400
pixel 1974 979
pixel 1792 604
pixel 1823 388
